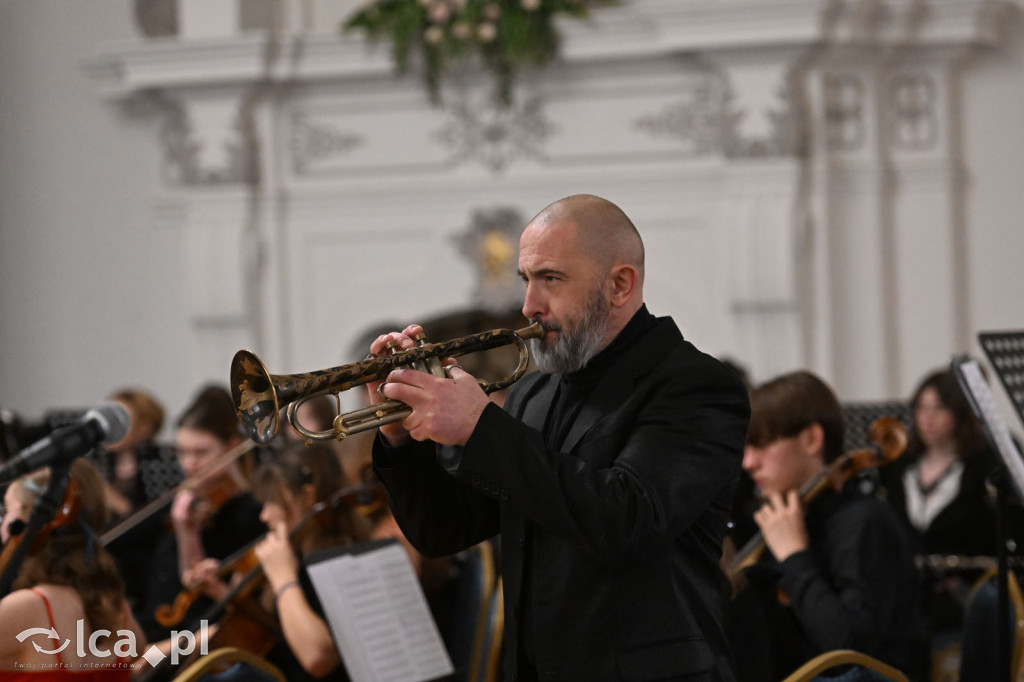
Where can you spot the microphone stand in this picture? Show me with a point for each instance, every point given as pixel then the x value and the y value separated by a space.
pixel 44 511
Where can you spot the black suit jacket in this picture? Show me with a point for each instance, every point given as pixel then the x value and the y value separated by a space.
pixel 626 521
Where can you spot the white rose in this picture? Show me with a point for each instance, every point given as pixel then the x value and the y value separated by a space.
pixel 433 35
pixel 492 12
pixel 438 13
pixel 486 32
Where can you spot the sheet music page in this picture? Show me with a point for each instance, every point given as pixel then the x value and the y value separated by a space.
pixel 980 396
pixel 379 615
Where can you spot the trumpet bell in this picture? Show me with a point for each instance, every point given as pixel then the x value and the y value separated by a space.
pixel 255 396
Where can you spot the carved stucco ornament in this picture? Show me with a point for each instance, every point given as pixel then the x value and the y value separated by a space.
pixel 477 130
pixel 491 244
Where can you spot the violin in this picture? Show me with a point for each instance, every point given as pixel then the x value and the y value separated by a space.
pixel 13 553
pixel 223 491
pixel 216 490
pixel 244 561
pixel 890 439
pixel 241 621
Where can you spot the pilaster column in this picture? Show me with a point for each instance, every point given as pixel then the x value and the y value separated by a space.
pixel 762 145
pixel 852 188
pixel 210 163
pixel 922 129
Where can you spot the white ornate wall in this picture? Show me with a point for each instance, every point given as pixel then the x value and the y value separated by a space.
pixel 804 174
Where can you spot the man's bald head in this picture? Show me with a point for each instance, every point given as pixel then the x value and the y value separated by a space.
pixel 604 233
pixel 583 263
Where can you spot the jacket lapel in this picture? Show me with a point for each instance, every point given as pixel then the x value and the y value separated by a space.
pixel 607 395
pixel 538 405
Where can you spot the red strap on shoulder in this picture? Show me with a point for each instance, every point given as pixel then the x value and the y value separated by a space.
pixel 49 614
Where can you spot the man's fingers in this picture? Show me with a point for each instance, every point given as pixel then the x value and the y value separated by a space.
pixel 403 379
pixel 400 340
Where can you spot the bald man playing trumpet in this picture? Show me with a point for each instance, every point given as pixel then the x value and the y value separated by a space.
pixel 608 474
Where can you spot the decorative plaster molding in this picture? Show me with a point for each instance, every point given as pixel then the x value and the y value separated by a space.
pixel 187 157
pixel 783 138
pixel 844 111
pixel 694 120
pixel 495 137
pixel 311 141
pixel 911 101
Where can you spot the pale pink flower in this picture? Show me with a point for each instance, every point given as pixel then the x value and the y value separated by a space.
pixel 486 33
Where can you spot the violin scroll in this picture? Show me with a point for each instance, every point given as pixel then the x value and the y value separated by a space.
pixel 890 440
pixel 890 435
pixel 169 615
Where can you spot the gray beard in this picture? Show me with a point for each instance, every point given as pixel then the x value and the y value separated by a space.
pixel 573 349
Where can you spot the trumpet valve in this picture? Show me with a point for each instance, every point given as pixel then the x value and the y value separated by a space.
pixel 340 428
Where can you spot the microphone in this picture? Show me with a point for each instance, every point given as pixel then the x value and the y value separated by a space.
pixel 105 424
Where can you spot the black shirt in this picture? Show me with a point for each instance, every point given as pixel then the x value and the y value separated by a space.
pixel 573 390
pixel 233 526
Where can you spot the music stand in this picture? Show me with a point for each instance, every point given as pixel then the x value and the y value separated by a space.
pixel 1005 351
pixel 977 392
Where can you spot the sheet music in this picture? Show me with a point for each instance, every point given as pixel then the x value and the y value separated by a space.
pixel 980 397
pixel 379 616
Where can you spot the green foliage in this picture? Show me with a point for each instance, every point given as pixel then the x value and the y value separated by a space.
pixel 508 35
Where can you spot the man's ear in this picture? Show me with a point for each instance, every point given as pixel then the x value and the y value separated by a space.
pixel 623 281
pixel 812 441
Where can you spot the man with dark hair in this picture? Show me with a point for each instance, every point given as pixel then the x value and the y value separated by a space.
pixel 838 574
pixel 608 474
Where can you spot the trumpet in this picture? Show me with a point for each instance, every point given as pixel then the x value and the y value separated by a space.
pixel 259 395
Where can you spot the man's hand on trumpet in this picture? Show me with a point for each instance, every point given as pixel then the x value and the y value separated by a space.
pixel 444 409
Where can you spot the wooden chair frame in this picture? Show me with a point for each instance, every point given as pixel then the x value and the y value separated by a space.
pixel 830 659
pixel 227 656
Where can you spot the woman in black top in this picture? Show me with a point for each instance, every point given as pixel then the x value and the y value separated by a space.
pixel 289 486
pixel 210 520
pixel 938 488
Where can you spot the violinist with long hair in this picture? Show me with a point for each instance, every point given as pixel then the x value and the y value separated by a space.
pixel 838 573
pixel 290 486
pixel 212 519
pixel 71 579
